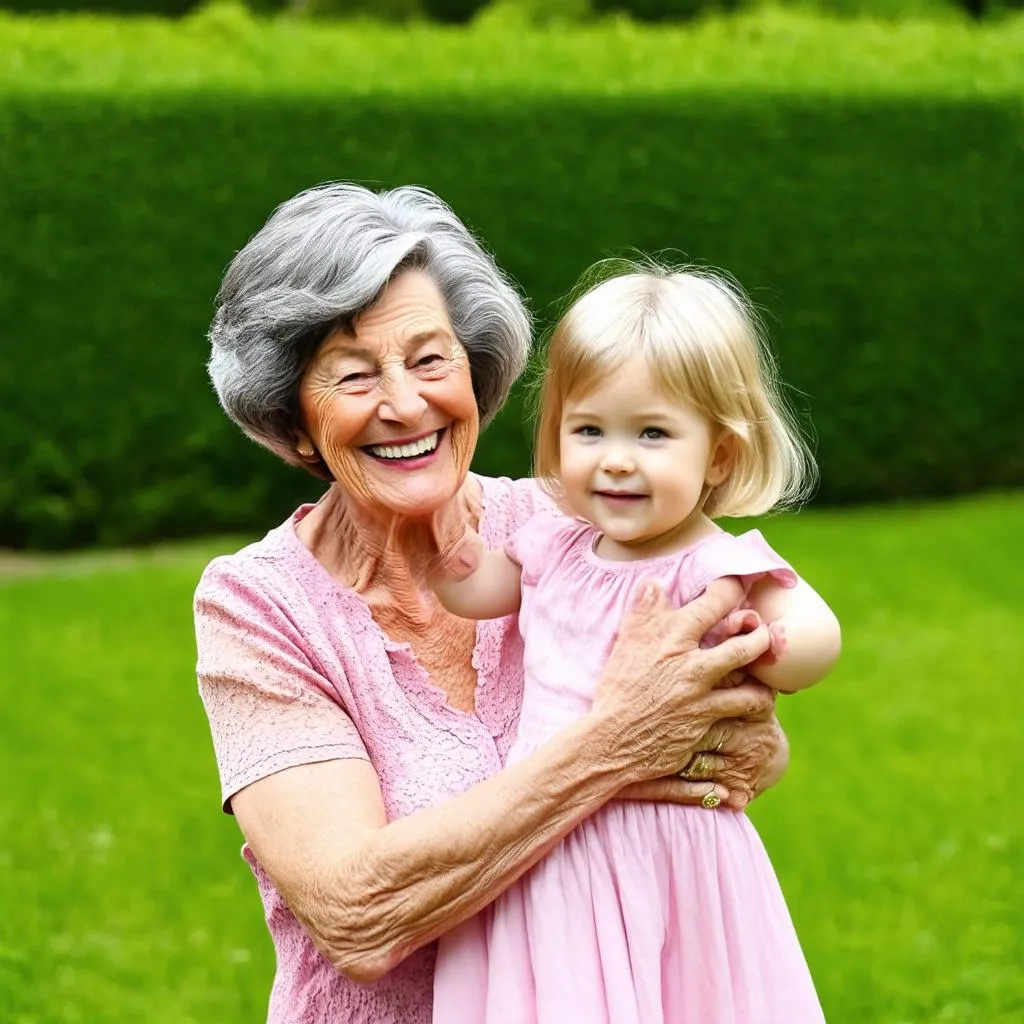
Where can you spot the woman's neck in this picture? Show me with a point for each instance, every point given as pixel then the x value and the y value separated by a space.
pixel 382 555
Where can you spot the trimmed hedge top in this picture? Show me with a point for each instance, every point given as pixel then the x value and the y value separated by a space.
pixel 226 48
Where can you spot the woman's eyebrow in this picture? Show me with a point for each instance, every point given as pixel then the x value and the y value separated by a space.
pixel 430 334
pixel 344 351
pixel 349 348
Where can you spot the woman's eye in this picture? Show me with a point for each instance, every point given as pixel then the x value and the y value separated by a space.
pixel 652 433
pixel 430 360
pixel 355 377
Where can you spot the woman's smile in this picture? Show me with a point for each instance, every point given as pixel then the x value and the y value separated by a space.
pixel 408 453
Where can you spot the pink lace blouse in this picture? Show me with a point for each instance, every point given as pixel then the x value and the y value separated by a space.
pixel 293 670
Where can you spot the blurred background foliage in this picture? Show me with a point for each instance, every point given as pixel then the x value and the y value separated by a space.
pixel 538 11
pixel 861 178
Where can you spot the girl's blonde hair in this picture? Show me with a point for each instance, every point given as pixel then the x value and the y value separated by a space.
pixel 704 344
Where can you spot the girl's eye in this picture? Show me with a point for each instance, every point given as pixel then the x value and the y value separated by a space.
pixel 652 433
pixel 588 431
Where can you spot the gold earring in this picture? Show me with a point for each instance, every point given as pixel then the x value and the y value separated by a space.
pixel 305 450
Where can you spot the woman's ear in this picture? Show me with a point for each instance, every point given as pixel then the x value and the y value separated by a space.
pixel 304 446
pixel 722 458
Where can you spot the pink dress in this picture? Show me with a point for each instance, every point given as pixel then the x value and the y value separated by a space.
pixel 646 913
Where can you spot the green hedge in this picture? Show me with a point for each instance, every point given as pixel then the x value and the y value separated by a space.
pixel 875 216
pixel 165 7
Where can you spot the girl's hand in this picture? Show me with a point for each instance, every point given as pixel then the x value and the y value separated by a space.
pixel 660 693
pixel 449 534
pixel 461 559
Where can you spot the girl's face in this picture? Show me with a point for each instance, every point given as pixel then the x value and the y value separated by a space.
pixel 635 462
pixel 390 406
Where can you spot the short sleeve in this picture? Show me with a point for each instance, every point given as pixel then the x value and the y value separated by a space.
pixel 268 706
pixel 508 505
pixel 748 556
pixel 539 543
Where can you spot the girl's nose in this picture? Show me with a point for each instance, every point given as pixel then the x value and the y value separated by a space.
pixel 617 460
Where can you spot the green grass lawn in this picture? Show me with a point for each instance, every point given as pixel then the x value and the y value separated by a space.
pixel 897 832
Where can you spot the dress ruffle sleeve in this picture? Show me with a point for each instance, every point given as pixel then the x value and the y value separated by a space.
pixel 748 556
pixel 268 705
pixel 541 541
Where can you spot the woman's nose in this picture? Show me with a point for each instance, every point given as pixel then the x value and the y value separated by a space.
pixel 402 401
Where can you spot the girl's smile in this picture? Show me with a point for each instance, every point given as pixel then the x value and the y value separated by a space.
pixel 636 463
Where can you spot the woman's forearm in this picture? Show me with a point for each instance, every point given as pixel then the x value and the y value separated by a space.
pixel 369 903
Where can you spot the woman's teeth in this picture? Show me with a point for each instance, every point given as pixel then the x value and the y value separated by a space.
pixel 405 451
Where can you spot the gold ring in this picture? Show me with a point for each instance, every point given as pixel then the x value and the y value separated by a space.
pixel 700 767
pixel 710 801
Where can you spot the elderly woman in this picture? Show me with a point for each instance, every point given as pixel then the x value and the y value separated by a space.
pixel 359 728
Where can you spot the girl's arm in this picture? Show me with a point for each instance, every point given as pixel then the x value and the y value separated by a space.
pixel 475 583
pixel 806 636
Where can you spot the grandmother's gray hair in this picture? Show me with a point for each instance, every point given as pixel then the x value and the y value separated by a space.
pixel 323 258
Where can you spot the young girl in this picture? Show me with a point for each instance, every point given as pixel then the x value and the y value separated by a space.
pixel 659 413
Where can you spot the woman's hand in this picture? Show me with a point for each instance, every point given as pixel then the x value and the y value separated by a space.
pixel 746 756
pixel 661 694
pixel 739 759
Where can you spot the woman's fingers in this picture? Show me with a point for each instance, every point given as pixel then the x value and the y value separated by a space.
pixel 735 652
pixel 641 633
pixel 749 700
pixel 778 756
pixel 674 790
pixel 703 765
pixel 642 621
pixel 658 685
pixel 747 756
pixel 700 615
pixel 737 677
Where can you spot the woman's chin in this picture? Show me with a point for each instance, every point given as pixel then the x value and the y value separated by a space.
pixel 415 495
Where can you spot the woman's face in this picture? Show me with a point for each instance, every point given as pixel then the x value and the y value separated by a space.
pixel 390 406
